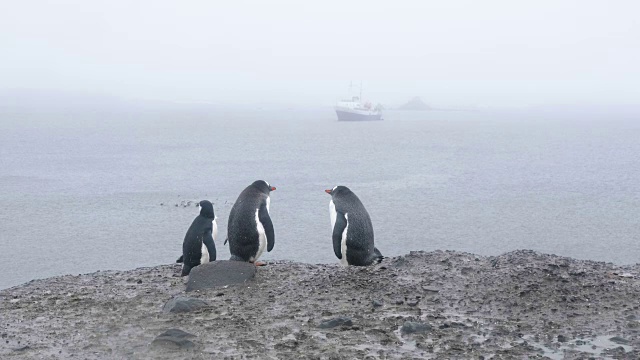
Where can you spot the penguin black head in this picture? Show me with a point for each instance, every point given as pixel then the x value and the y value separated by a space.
pixel 263 186
pixel 206 209
pixel 338 190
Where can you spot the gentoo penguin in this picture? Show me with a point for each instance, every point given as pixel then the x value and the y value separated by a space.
pixel 198 246
pixel 250 229
pixel 352 230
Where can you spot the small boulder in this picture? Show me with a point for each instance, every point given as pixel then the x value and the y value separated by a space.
pixel 174 339
pixel 220 273
pixel 412 327
pixel 23 348
pixel 183 304
pixel 619 340
pixel 339 321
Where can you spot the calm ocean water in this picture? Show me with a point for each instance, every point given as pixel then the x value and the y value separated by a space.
pixel 81 192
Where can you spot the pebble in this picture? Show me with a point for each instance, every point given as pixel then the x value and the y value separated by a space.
pixel 183 304
pixel 174 338
pixel 619 340
pixel 413 327
pixel 339 321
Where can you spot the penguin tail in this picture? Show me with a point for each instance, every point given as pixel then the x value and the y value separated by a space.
pixel 180 259
pixel 225 241
pixel 377 256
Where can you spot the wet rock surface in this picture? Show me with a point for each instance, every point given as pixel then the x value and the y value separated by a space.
pixel 181 304
pixel 521 304
pixel 174 339
pixel 219 274
pixel 339 321
pixel 410 327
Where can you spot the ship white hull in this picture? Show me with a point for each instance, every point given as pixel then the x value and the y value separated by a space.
pixel 357 115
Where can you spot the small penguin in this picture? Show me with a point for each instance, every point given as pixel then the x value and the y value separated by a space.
pixel 250 229
pixel 352 230
pixel 198 246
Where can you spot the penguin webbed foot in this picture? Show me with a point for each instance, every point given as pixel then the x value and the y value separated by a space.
pixel 260 263
pixel 378 257
pixel 185 271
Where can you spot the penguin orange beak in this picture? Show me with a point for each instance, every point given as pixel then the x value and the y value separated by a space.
pixel 273 188
pixel 328 191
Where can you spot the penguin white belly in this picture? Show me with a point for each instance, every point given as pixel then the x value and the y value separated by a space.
pixel 215 229
pixel 204 258
pixel 332 212
pixel 262 238
pixel 343 244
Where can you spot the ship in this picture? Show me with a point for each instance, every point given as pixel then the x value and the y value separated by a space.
pixel 354 110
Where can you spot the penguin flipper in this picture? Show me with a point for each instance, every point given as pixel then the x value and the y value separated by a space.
pixel 263 216
pixel 211 246
pixel 180 259
pixel 338 230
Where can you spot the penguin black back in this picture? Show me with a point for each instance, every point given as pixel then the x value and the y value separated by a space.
pixel 352 230
pixel 198 246
pixel 250 229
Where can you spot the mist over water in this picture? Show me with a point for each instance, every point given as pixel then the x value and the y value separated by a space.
pixel 82 191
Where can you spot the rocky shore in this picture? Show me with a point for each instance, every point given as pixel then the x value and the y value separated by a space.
pixel 440 304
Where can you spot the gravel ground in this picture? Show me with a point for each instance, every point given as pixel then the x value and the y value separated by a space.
pixel 440 304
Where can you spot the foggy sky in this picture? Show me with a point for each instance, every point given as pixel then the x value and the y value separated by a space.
pixel 451 53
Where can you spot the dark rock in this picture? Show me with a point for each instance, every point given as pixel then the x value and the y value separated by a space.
pixel 378 303
pixel 220 273
pixel 562 338
pixel 339 321
pixel 620 349
pixel 23 348
pixel 174 338
pixel 619 340
pixel 412 327
pixel 457 324
pixel 452 324
pixel 399 301
pixel 183 304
